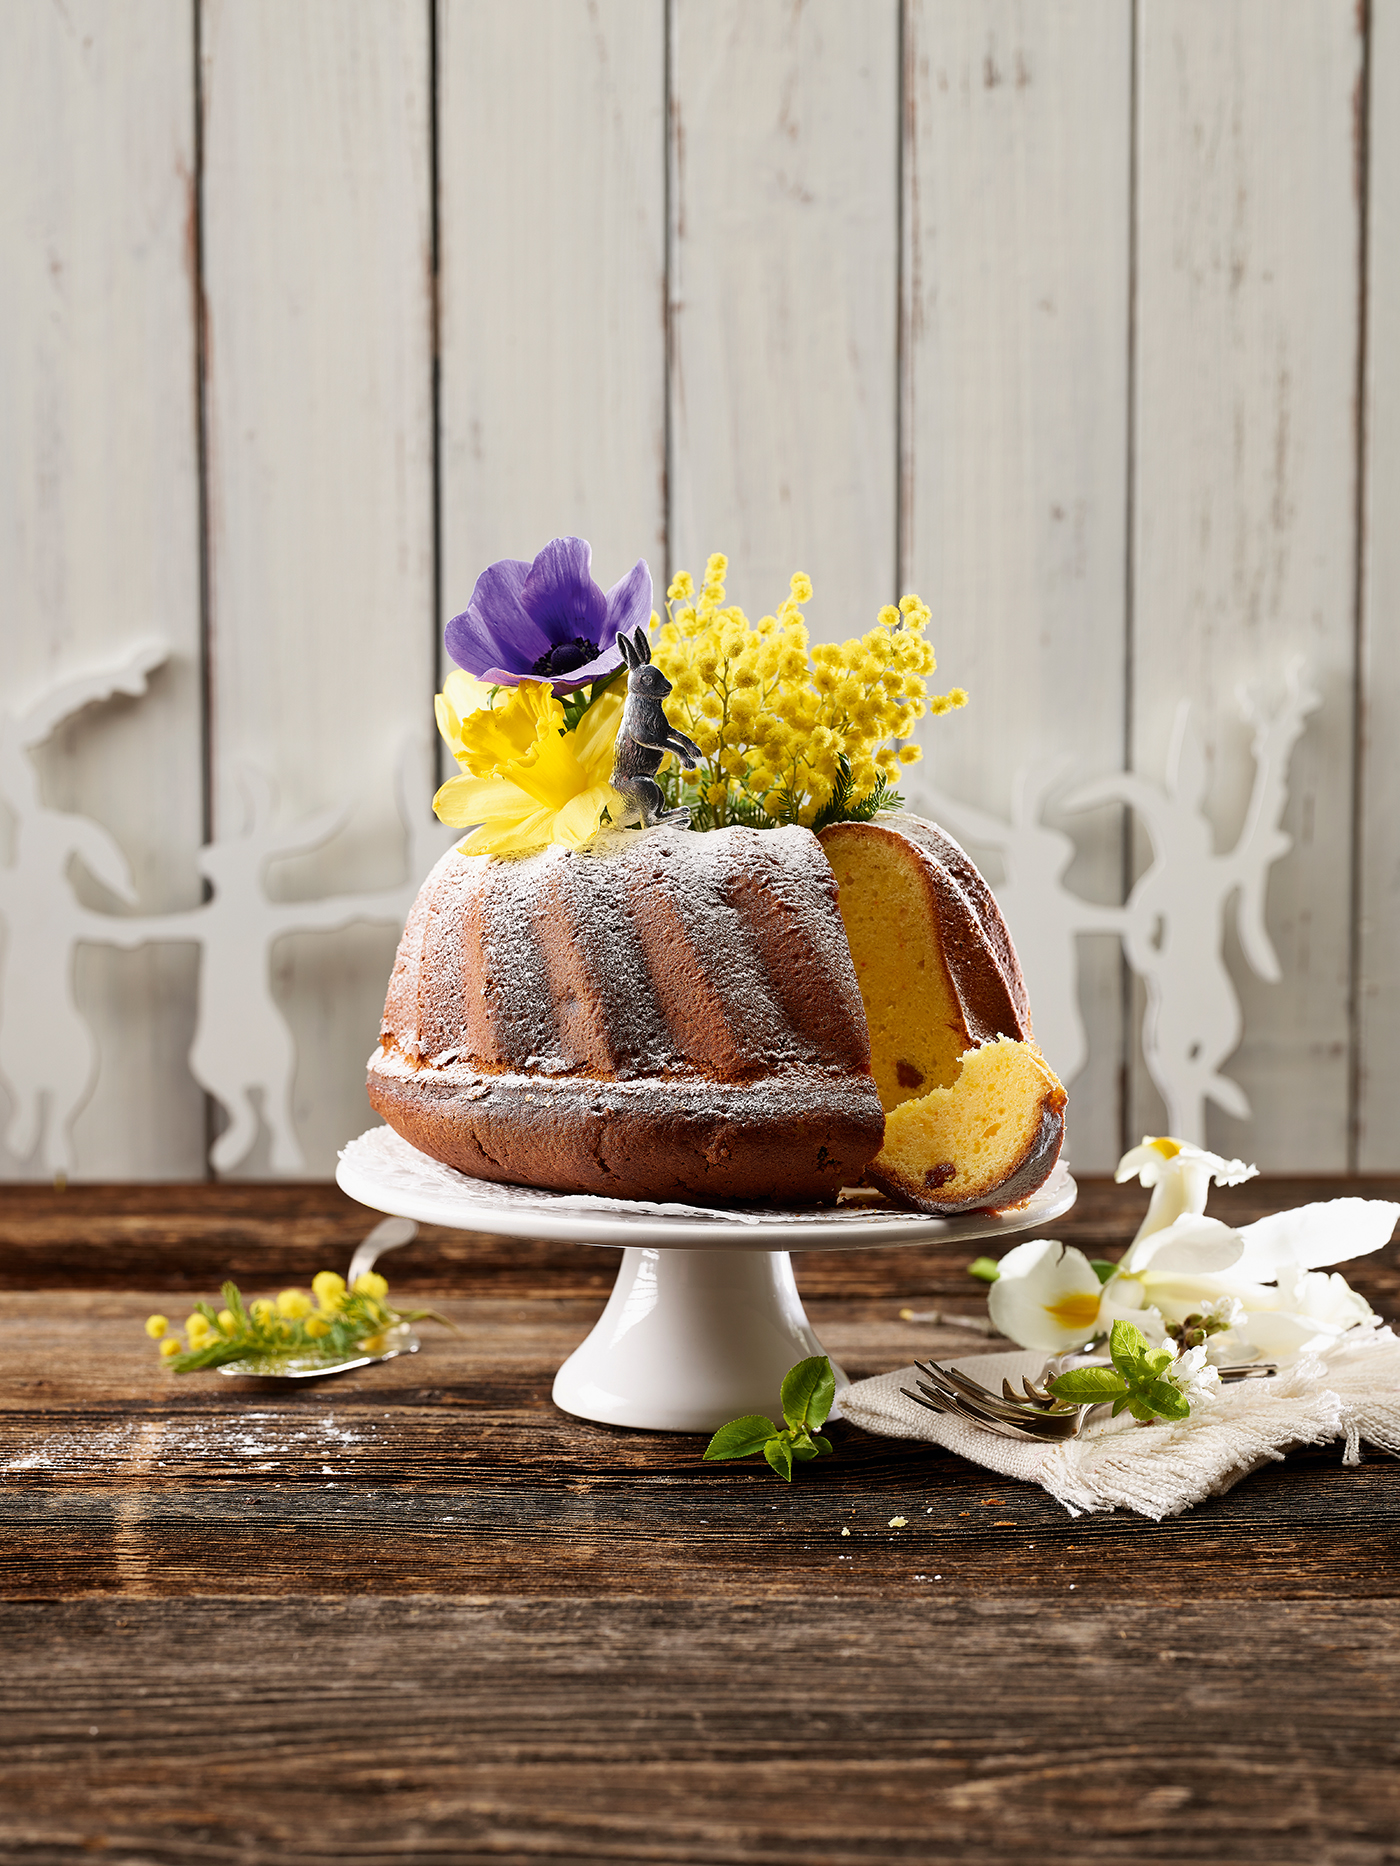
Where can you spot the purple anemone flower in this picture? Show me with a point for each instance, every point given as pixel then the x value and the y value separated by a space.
pixel 547 620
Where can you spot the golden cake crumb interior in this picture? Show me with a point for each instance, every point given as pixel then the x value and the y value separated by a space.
pixel 917 1032
pixel 957 1145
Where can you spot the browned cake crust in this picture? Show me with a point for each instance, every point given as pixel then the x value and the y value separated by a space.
pixel 660 1015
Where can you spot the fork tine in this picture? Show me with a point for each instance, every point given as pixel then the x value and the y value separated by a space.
pixel 944 1396
pixel 956 1393
pixel 973 1390
pixel 962 1394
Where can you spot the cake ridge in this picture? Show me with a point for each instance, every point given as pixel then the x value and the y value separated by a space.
pixel 665 1010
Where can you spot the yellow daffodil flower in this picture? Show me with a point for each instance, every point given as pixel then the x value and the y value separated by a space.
pixel 526 781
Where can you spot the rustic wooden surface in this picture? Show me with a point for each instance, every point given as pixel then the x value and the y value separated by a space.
pixel 417 1613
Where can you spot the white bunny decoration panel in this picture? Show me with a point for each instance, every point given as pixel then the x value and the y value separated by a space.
pixel 243 1054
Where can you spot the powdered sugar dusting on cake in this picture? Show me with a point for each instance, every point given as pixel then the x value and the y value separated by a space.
pixel 662 1012
pixel 646 955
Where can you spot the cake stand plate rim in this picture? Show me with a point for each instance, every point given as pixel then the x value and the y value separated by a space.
pixel 378 1171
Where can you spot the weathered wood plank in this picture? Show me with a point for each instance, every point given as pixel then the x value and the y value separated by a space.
pixel 318 288
pixel 99 519
pixel 784 232
pixel 453 1472
pixel 189 1238
pixel 1378 933
pixel 546 1507
pixel 1016 269
pixel 1247 319
pixel 552 191
pixel 701 1731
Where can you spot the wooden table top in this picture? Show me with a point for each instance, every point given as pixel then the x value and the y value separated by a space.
pixel 417 1613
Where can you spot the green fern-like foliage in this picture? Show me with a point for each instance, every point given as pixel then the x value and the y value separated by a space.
pixel 842 807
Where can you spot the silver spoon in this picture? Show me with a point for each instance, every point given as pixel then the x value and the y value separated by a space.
pixel 388 1234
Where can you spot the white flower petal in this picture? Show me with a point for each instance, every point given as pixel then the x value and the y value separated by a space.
pixel 1148 1162
pixel 1330 1231
pixel 1280 1336
pixel 1122 1301
pixel 1179 1175
pixel 1193 1375
pixel 1192 1245
pixel 1328 1300
pixel 1046 1296
pixel 1162 1154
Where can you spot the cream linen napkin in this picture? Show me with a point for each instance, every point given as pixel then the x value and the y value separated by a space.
pixel 1351 1392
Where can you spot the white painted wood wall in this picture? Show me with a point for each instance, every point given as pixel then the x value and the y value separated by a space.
pixel 1079 318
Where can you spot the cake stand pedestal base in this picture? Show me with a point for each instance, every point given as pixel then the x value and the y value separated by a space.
pixel 689 1340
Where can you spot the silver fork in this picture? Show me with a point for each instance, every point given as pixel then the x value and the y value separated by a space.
pixel 1035 1413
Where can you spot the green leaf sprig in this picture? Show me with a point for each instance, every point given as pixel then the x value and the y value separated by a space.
pixel 1137 1380
pixel 807 1395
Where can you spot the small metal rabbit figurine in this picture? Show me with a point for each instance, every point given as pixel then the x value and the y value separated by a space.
pixel 646 735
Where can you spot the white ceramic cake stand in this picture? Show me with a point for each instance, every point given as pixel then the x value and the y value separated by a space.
pixel 704 1319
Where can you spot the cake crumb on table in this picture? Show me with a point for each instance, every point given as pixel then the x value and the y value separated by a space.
pixel 899 1522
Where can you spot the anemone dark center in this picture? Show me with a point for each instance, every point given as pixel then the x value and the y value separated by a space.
pixel 565 656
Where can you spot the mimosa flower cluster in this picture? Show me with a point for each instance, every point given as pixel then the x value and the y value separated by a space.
pixel 327 1323
pixel 788 733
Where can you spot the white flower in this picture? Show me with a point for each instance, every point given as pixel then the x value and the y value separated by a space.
pixel 1310 1236
pixel 1192 1375
pixel 1260 1281
pixel 1047 1295
pixel 1179 1175
pixel 1281 1307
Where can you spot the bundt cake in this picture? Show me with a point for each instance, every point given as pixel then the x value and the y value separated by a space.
pixel 657 1015
pixel 667 1014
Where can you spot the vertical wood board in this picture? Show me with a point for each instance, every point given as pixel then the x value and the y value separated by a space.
pixel 99 526
pixel 552 191
pixel 1378 987
pixel 1247 306
pixel 784 231
pixel 1016 268
pixel 318 286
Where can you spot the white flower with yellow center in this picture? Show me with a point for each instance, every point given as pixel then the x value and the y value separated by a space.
pixel 1262 1281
